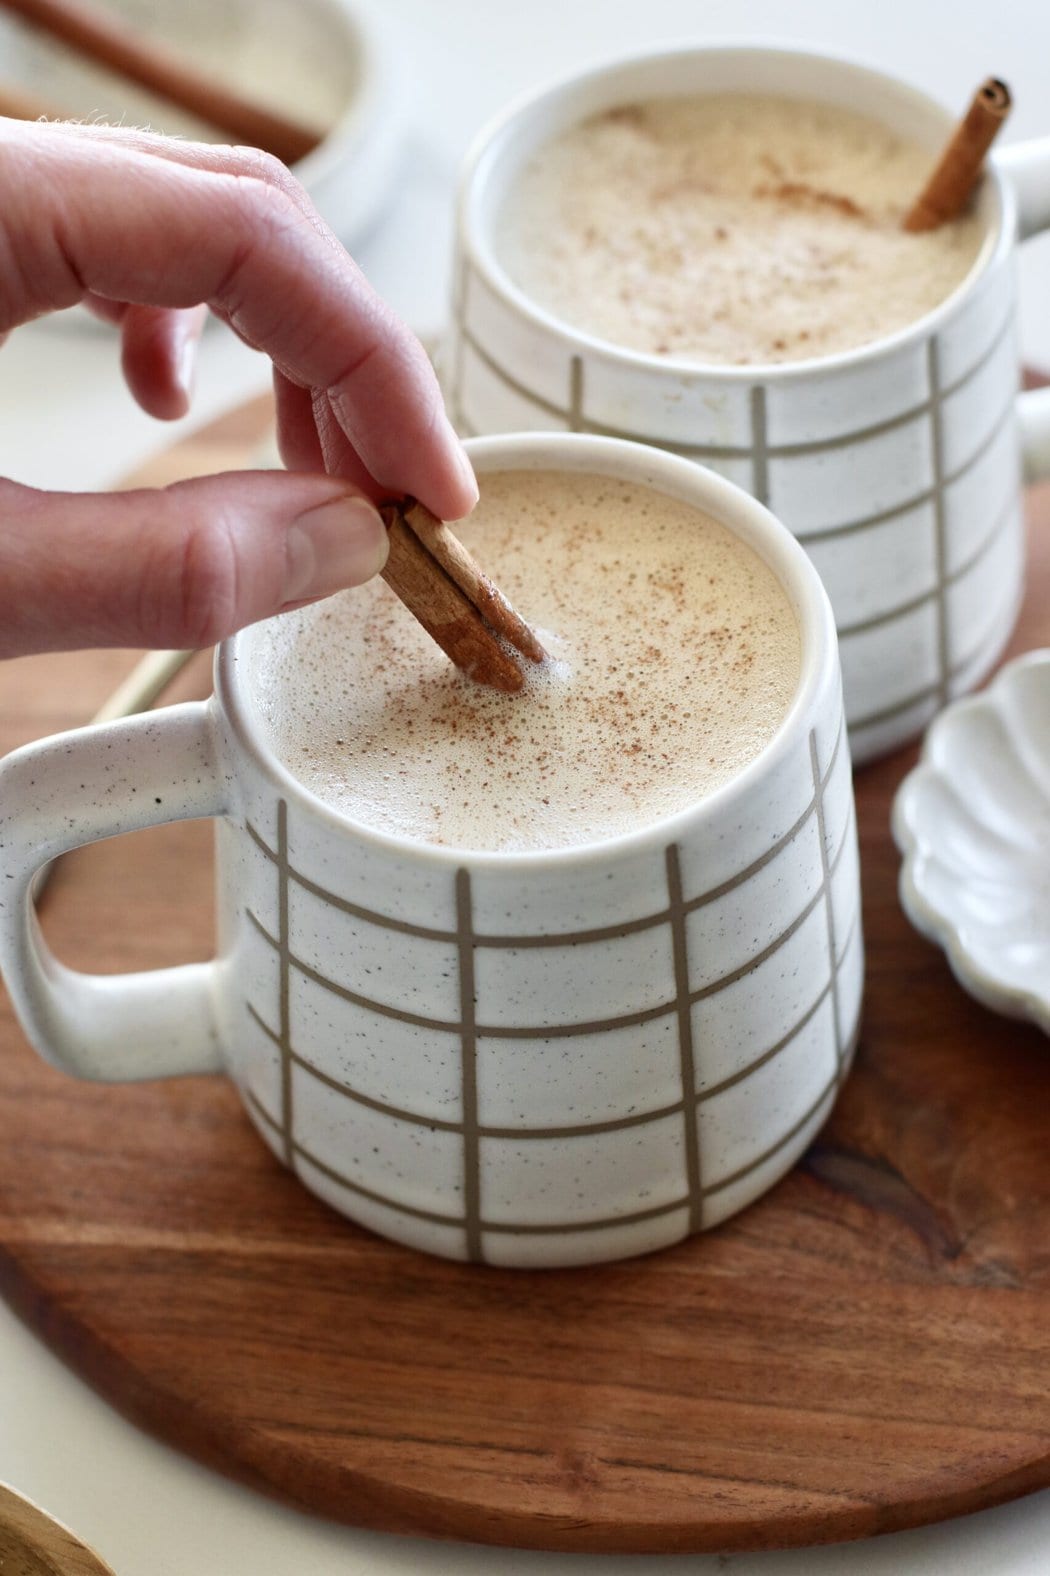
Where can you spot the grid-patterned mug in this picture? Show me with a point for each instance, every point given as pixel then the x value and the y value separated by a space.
pixel 522 1058
pixel 897 465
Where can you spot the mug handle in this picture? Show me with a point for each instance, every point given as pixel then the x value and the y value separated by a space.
pixel 72 789
pixel 1026 165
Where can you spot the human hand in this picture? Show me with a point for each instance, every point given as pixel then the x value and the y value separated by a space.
pixel 150 232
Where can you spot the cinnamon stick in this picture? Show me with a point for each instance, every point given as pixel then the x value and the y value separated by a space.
pixel 442 608
pixel 443 545
pixel 104 38
pixel 948 189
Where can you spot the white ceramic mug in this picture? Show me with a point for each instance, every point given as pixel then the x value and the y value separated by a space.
pixel 339 65
pixel 522 1058
pixel 897 465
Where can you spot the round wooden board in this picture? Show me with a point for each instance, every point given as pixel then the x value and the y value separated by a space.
pixel 865 1349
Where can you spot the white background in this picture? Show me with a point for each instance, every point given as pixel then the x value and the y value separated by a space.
pixel 65 421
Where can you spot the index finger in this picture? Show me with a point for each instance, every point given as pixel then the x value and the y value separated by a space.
pixel 101 216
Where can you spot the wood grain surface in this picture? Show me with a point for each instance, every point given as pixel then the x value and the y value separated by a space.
pixel 866 1348
pixel 32 1544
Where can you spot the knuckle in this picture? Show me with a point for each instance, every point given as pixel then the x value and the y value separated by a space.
pixel 265 204
pixel 203 582
pixel 261 216
pixel 256 164
pixel 259 220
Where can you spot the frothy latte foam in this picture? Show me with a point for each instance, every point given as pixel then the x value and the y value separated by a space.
pixel 732 228
pixel 675 655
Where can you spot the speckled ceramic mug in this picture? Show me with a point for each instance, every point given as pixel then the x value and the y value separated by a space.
pixel 897 465
pixel 522 1058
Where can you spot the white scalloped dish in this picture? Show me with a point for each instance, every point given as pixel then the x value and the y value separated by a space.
pixel 973 823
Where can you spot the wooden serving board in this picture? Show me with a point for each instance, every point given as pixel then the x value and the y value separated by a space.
pixel 32 1543
pixel 866 1348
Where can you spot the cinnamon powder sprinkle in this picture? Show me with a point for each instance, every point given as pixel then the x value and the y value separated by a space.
pixel 730 229
pixel 631 719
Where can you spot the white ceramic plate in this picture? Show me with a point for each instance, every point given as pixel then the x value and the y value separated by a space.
pixel 973 823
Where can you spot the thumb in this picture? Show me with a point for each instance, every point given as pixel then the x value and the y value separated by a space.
pixel 180 567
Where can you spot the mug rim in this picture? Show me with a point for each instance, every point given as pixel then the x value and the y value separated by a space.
pixel 362 34
pixel 645 465
pixel 476 243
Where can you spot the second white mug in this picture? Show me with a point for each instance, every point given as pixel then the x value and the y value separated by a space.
pixel 897 465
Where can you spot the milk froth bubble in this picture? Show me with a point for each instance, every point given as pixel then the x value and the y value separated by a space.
pixel 675 654
pixel 730 229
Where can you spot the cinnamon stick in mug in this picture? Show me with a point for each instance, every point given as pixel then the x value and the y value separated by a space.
pixel 443 609
pixel 948 189
pixel 475 584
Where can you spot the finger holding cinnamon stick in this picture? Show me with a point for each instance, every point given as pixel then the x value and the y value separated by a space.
pixel 949 188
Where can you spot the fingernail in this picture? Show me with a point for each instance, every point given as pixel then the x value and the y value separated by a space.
pixel 463 465
pixel 340 543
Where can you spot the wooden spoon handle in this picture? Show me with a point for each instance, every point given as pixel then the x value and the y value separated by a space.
pixel 103 38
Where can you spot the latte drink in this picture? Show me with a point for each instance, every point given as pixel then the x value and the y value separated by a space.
pixel 674 656
pixel 733 229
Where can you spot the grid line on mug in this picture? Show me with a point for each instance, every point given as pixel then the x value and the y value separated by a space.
pixel 971 562
pixel 953 675
pixel 824 1015
pixel 553 938
pixel 910 634
pixel 758 452
pixel 813 1114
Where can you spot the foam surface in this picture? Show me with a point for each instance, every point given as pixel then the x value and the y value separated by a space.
pixel 733 228
pixel 674 656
